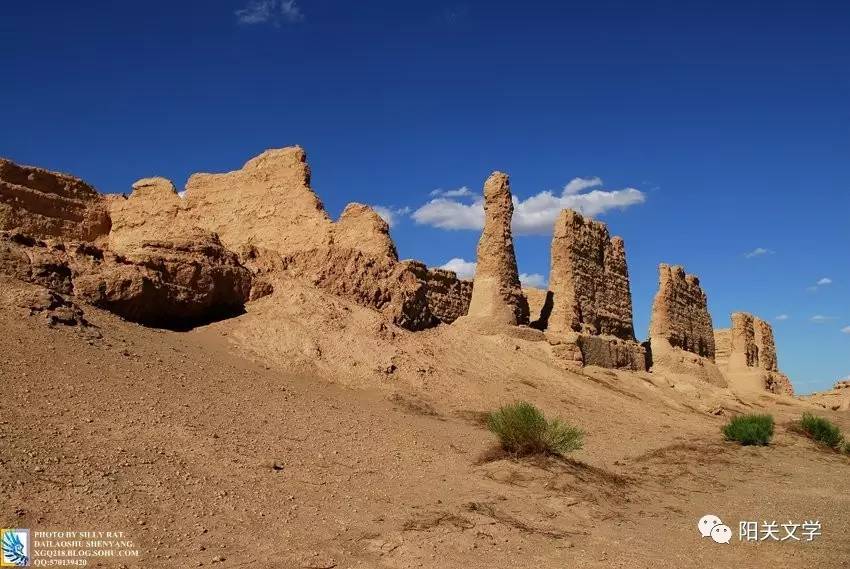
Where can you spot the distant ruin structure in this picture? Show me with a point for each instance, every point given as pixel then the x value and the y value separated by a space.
pixel 681 334
pixel 680 313
pixel 746 354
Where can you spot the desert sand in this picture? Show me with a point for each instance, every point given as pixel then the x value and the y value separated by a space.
pixel 335 418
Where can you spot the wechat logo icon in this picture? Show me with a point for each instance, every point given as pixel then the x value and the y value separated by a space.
pixel 713 527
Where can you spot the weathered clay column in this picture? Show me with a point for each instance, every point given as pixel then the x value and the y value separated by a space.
pixel 765 345
pixel 744 353
pixel 496 293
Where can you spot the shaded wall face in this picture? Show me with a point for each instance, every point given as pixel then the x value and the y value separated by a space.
pixel 680 313
pixel 448 296
pixel 765 345
pixel 745 352
pixel 589 279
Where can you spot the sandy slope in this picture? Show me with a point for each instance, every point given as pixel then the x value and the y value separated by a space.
pixel 279 439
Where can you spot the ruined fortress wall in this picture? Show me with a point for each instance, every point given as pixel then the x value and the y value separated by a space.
pixel 589 279
pixel 269 206
pixel 448 296
pixel 722 346
pixel 45 204
pixel 680 313
pixel 749 355
pixel 149 213
pixel 765 345
pixel 497 294
pixel 268 203
pixel 539 306
pixel 745 352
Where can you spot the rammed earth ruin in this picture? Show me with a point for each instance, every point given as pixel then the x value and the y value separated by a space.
pixel 160 259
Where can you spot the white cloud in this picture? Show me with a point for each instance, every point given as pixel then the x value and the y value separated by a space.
pixel 390 214
pixel 533 216
pixel 846 330
pixel 450 214
pixel 825 281
pixel 466 270
pixel 781 317
pixel 461 192
pixel 758 252
pixel 463 268
pixel 534 280
pixel 821 319
pixel 272 11
pixel 577 185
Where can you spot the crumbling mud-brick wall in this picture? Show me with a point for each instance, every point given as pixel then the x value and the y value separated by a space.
pixel 589 279
pixel 680 313
pixel 268 208
pixel 448 296
pixel 47 205
pixel 765 344
pixel 747 355
pixel 587 314
pixel 539 306
pixel 745 352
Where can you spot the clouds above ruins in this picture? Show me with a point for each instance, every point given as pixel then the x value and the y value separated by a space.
pixel 464 209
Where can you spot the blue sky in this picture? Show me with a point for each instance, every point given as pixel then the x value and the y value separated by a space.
pixel 718 129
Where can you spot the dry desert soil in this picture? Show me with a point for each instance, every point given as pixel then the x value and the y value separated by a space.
pixel 289 437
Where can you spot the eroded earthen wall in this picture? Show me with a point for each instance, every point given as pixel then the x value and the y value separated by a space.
pixel 747 354
pixel 448 296
pixel 45 204
pixel 680 313
pixel 589 279
pixel 765 344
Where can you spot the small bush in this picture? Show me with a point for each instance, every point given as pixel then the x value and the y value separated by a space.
pixel 750 429
pixel 523 430
pixel 821 430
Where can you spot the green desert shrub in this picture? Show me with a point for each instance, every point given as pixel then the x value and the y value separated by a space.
pixel 749 429
pixel 821 430
pixel 523 430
